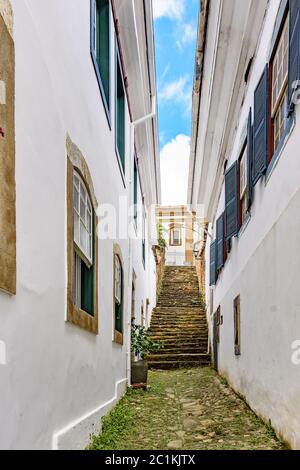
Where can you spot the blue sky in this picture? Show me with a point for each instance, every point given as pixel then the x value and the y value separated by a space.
pixel 175 36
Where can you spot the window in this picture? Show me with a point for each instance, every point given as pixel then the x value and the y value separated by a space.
pixel 133 301
pixel 82 292
pixel 120 116
pixel 7 162
pixel 175 236
pixel 118 299
pixel 100 33
pixel 83 247
pixel 280 67
pixel 135 191
pixel 83 219
pixel 237 326
pixel 142 315
pixel 243 184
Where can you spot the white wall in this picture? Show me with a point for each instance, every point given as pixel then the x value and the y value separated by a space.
pixel 263 268
pixel 58 379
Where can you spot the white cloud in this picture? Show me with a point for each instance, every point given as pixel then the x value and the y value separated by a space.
pixel 187 34
pixel 174 170
pixel 178 92
pixel 173 9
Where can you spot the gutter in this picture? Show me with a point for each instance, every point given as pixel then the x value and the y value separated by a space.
pixel 198 81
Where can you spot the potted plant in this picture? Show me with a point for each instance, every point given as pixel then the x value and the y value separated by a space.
pixel 141 347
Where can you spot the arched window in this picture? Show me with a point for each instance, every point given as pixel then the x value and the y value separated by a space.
pixel 118 299
pixel 82 243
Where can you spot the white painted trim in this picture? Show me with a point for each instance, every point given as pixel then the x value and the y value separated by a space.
pixel 76 435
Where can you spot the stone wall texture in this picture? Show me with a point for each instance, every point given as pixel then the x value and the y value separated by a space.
pixel 7 14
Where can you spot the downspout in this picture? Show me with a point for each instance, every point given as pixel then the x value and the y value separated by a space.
pixel 133 125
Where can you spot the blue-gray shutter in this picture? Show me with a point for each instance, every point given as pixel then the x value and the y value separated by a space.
pixel 231 201
pixel 250 160
pixel 220 242
pixel 260 128
pixel 213 264
pixel 294 46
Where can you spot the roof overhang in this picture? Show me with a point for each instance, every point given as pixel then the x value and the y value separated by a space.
pixel 230 42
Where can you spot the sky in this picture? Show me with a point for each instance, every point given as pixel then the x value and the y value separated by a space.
pixel 175 41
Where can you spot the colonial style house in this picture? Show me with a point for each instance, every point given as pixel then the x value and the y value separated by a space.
pixel 78 146
pixel 179 232
pixel 245 180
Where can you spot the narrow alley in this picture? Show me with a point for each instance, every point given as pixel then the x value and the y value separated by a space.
pixel 182 410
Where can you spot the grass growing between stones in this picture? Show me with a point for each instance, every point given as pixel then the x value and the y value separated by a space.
pixel 184 410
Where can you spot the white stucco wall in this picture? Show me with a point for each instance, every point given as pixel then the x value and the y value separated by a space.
pixel 263 268
pixel 58 379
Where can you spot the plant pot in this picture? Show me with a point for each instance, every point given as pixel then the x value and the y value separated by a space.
pixel 139 372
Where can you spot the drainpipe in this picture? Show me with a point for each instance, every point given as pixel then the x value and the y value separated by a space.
pixel 133 125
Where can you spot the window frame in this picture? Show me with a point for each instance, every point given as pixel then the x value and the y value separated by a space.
pixel 144 239
pixel 135 191
pixel 118 68
pixel 118 336
pixel 237 325
pixel 275 108
pixel 93 50
pixel 86 258
pixel 171 241
pixel 8 252
pixel 75 315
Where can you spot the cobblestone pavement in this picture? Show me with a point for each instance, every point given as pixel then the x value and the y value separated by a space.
pixel 184 410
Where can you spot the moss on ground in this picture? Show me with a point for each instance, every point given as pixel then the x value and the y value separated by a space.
pixel 184 410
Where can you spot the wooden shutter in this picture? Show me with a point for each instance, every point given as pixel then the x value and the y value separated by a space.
pixel 294 46
pixel 260 129
pixel 231 201
pixel 250 160
pixel 213 265
pixel 220 242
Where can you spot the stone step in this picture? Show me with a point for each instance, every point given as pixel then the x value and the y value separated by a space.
pixel 178 303
pixel 162 356
pixel 179 331
pixel 169 365
pixel 179 322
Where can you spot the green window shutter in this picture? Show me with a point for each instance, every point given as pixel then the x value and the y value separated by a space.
pixel 231 201
pixel 120 116
pixel 87 282
pixel 294 48
pixel 250 160
pixel 220 242
pixel 260 129
pixel 87 289
pixel 213 263
pixel 102 44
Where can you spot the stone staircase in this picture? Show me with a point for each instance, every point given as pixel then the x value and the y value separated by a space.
pixel 179 322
